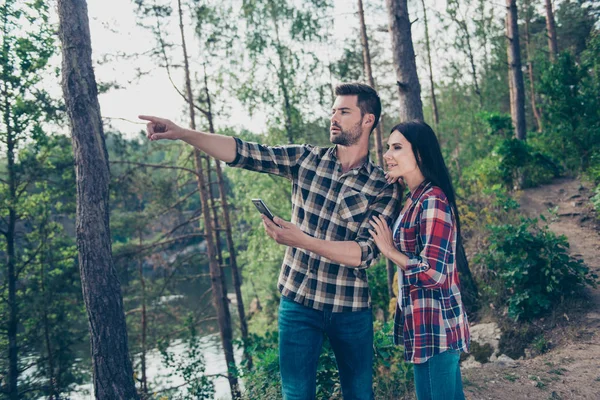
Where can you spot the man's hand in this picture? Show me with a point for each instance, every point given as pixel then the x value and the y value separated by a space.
pixel 160 128
pixel 286 233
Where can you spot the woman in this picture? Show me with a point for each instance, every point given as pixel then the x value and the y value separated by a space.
pixel 423 244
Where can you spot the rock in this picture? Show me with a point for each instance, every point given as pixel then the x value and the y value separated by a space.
pixel 379 315
pixel 486 333
pixel 505 360
pixel 470 363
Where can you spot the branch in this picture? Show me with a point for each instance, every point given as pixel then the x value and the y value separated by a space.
pixel 187 196
pixel 155 166
pixel 156 244
pixel 168 68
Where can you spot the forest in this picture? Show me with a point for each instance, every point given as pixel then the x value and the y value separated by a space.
pixel 132 269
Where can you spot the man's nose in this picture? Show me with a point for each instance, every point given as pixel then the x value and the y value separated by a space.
pixel 335 119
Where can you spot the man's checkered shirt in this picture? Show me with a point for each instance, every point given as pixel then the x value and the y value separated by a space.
pixel 329 205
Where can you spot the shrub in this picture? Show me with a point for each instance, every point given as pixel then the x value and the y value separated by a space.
pixel 511 163
pixel 531 269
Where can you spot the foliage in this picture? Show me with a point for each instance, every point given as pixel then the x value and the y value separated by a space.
pixel 510 160
pixel 533 271
pixel 572 107
pixel 189 365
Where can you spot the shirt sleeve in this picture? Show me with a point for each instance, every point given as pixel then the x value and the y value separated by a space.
pixel 386 205
pixel 276 160
pixel 429 269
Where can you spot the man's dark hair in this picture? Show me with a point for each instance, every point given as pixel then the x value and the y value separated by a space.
pixel 368 99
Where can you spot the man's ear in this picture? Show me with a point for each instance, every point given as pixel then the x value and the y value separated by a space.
pixel 369 119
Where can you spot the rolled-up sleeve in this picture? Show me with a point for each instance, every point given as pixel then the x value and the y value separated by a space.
pixel 276 160
pixel 429 268
pixel 386 205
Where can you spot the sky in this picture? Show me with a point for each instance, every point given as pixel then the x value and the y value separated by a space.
pixel 114 30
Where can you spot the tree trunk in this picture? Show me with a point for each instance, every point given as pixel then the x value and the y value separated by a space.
pixel 409 89
pixel 369 75
pixel 144 323
pixel 236 277
pixel 436 115
pixel 218 293
pixel 391 269
pixel 281 75
pixel 54 384
pixel 516 74
pixel 113 373
pixel 534 108
pixel 551 28
pixel 11 234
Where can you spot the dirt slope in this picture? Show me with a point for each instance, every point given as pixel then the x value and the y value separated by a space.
pixel 571 368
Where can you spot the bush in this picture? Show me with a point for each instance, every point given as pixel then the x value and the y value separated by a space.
pixel 571 105
pixel 512 163
pixel 531 269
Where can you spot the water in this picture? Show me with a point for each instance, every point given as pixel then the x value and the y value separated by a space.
pixel 214 360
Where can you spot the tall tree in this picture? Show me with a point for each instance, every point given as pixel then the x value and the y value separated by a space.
pixel 364 39
pixel 27 45
pixel 391 269
pixel 113 373
pixel 516 74
pixel 212 22
pixel 409 89
pixel 463 40
pixel 551 28
pixel 284 73
pixel 436 114
pixel 219 293
pixel 528 52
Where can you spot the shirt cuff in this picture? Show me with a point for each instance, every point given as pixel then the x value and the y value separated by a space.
pixel 366 255
pixel 414 266
pixel 239 160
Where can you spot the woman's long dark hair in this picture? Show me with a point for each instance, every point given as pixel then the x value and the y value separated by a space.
pixel 430 160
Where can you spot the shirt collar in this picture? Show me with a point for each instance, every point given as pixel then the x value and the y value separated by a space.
pixel 367 165
pixel 414 195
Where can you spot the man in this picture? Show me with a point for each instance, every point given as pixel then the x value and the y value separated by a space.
pixel 323 281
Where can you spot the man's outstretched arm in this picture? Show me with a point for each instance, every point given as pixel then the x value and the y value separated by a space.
pixel 220 147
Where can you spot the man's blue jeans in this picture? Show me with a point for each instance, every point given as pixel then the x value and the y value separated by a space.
pixel 439 377
pixel 301 331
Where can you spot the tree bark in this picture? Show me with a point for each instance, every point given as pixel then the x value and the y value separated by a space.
pixel 551 28
pixel 409 89
pixel 219 296
pixel 436 115
pixel 378 137
pixel 516 74
pixel 112 370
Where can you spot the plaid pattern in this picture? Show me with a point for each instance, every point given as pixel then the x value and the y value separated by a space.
pixel 329 205
pixel 432 318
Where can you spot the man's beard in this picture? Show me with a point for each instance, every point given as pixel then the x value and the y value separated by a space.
pixel 348 137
